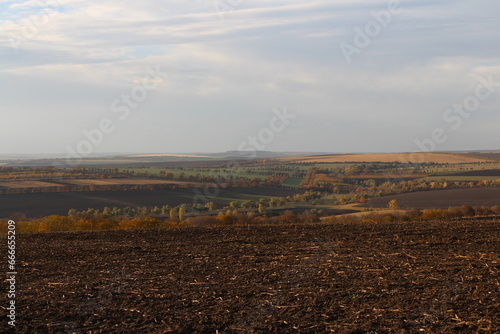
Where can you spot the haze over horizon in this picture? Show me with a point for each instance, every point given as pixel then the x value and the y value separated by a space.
pixel 224 155
pixel 284 76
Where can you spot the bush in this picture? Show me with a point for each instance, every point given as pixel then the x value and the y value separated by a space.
pixel 467 211
pixel 496 210
pixel 288 217
pixel 202 221
pixel 393 205
pixel 435 214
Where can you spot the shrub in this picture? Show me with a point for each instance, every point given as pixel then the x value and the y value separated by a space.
pixel 288 217
pixel 435 214
pixel 467 211
pixel 393 205
pixel 202 221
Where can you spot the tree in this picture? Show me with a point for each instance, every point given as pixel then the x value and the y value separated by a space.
pixel 288 217
pixel 181 214
pixel 362 199
pixel 107 212
pixel 274 201
pixel 165 210
pixel 311 216
pixel 72 213
pixel 116 211
pixel 248 204
pixel 393 205
pixel 468 211
pixel 210 206
pixel 172 214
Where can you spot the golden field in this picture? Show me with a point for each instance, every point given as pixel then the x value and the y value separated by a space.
pixel 441 158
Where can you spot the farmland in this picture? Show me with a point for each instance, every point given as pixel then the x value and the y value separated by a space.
pixel 92 182
pixel 173 179
pixel 256 246
pixel 85 182
pixel 27 184
pixel 440 158
pixel 441 198
pixel 433 277
pixel 33 205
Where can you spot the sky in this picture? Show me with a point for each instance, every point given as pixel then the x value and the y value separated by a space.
pixel 86 77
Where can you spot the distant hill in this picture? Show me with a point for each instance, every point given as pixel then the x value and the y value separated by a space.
pixel 204 159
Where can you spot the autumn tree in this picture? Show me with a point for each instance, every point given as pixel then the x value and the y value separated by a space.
pixel 393 205
pixel 210 206
pixel 172 214
pixel 181 214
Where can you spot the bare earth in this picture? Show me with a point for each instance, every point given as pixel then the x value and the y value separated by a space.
pixel 89 182
pixel 124 182
pixel 432 277
pixel 440 199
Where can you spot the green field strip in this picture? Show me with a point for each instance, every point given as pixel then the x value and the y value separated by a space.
pixel 460 178
pixel 293 182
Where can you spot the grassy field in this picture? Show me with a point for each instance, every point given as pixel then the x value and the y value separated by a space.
pixel 293 182
pixel 465 167
pixel 460 178
pixel 212 172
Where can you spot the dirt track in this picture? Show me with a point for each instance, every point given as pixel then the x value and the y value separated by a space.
pixel 357 278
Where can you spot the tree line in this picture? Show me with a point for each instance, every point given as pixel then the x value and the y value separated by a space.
pixel 100 221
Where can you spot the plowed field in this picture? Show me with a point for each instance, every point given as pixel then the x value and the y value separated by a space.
pixel 433 277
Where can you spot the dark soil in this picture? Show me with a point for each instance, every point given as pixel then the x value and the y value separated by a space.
pixel 484 172
pixel 44 204
pixel 432 277
pixel 440 199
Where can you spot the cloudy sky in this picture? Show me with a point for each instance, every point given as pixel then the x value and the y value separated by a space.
pixel 208 75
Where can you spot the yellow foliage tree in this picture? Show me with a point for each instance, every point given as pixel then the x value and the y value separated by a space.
pixel 393 205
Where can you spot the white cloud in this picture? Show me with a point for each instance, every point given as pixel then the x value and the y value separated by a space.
pixel 264 54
